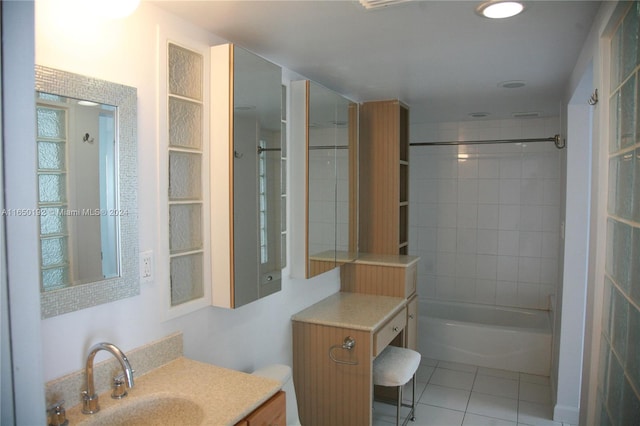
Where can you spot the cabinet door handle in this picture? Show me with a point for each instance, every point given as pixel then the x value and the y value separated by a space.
pixel 396 329
pixel 411 316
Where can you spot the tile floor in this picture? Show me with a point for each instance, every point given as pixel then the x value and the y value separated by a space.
pixel 451 394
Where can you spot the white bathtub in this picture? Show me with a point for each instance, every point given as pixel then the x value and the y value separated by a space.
pixel 488 336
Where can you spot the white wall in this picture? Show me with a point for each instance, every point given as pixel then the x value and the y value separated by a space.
pixel 126 52
pixel 21 232
pixel 485 219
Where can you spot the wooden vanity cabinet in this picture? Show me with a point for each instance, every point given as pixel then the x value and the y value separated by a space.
pixel 271 413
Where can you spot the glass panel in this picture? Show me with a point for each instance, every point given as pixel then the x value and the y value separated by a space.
pixel 52 220
pixel 633 354
pixel 630 41
pixel 55 278
pixel 620 317
pixel 627 113
pixel 51 155
pixel 614 120
pixel 185 72
pixel 52 188
pixel 51 123
pixel 616 58
pixel 636 186
pixel 185 227
pixel 185 123
pixel 54 251
pixel 185 176
pixel 186 278
pixel 624 185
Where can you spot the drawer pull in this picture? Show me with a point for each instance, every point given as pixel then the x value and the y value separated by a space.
pixel 396 329
pixel 411 316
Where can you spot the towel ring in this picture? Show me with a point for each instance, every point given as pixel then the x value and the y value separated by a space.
pixel 348 344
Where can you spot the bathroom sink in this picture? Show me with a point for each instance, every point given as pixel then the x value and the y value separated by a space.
pixel 149 410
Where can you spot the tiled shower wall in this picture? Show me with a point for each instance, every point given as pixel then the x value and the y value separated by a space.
pixel 485 219
pixel 619 363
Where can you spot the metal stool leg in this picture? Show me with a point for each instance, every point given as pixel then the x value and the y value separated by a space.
pixel 413 399
pixel 399 405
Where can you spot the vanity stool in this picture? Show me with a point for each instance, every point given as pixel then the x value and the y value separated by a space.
pixel 395 367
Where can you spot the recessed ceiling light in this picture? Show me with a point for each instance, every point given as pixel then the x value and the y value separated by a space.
pixel 479 114
pixel 499 9
pixel 526 114
pixel 511 84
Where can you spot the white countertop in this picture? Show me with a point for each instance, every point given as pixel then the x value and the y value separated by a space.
pixel 352 310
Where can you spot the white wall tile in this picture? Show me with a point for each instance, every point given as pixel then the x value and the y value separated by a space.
pixel 509 191
pixel 466 240
pixel 530 244
pixel 531 218
pixel 487 226
pixel 447 215
pixel 446 240
pixel 488 216
pixel 507 268
pixel 508 242
pixel 467 216
pixel 488 168
pixel 487 241
pixel 465 265
pixel 510 167
pixel 507 293
pixel 489 191
pixel 486 291
pixel 468 169
pixel 447 190
pixel 486 266
pixel 467 191
pixel 509 217
pixel 529 270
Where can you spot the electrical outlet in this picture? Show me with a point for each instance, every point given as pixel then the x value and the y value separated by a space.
pixel 146 266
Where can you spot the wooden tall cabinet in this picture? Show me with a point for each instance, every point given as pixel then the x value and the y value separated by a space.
pixel 384 177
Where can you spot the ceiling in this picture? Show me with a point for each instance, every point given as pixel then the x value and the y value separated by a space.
pixel 439 57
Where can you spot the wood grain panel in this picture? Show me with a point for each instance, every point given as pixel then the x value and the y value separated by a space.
pixel 271 413
pixel 317 267
pixel 329 393
pixel 397 281
pixel 382 127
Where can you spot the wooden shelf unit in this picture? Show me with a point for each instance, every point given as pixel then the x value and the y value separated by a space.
pixel 384 177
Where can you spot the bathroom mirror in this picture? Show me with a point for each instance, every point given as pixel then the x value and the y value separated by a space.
pixel 256 176
pixel 328 123
pixel 246 152
pixel 87 190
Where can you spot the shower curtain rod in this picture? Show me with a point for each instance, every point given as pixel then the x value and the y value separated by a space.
pixel 559 143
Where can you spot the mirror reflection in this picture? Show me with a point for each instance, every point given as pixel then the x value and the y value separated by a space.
pixel 77 190
pixel 256 176
pixel 332 186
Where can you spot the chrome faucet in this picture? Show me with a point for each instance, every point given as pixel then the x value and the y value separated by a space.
pixel 89 396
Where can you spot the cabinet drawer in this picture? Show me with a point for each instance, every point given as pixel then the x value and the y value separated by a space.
pixel 410 280
pixel 389 331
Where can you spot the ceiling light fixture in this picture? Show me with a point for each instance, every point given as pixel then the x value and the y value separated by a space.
pixel 512 84
pixel 378 4
pixel 479 114
pixel 499 9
